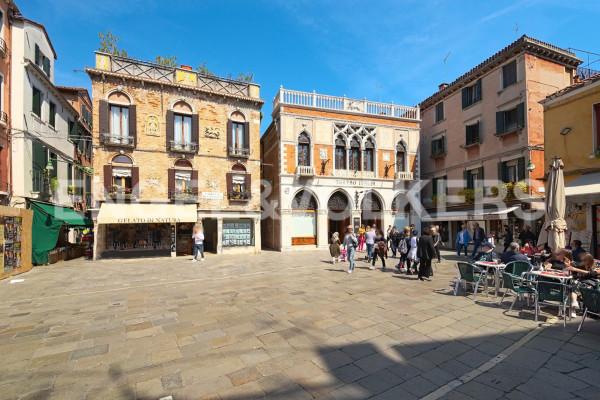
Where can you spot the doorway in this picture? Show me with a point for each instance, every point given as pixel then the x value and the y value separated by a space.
pixel 338 214
pixel 371 211
pixel 211 234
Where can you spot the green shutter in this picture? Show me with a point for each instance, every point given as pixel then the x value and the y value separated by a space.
pixel 521 169
pixel 465 97
pixel 499 122
pixel 478 90
pixel 521 115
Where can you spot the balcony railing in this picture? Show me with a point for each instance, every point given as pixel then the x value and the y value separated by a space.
pixel 2 48
pixel 121 193
pixel 239 196
pixel 403 176
pixel 183 147
pixel 305 170
pixel 336 103
pixel 585 73
pixel 113 140
pixel 239 152
pixel 185 196
pixel 180 76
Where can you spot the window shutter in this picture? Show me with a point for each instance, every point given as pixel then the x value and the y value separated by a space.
pixel 229 177
pixel 432 147
pixel 501 172
pixel 135 181
pixel 229 133
pixel 481 178
pixel 171 183
pixel 195 130
pixel 170 129
pixel 465 97
pixel 247 136
pixel 521 115
pixel 195 182
pixel 478 90
pixel 248 184
pixel 478 132
pixel 107 178
pixel 132 124
pixel 466 178
pixel 521 169
pixel 499 122
pixel 37 55
pixel 103 117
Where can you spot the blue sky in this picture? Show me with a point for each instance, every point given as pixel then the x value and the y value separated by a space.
pixel 392 51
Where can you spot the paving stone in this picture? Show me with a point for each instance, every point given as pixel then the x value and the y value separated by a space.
pixel 479 391
pixel 379 382
pixel 418 386
pixel 90 351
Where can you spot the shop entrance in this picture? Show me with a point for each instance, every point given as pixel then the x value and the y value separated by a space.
pixel 184 239
pixel 338 213
pixel 211 234
pixel 137 240
pixel 371 211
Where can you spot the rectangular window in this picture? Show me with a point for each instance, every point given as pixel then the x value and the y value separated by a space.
pixel 509 74
pixel 46 65
pixel 472 134
pixel 38 167
pixel 438 147
pixel 471 94
pixel 183 182
pixel 121 180
pixel 183 129
pixel 354 158
pixel 38 56
pixel 340 157
pixel 237 136
pixel 512 171
pixel 36 102
pixel 304 154
pixel 510 120
pixel 52 114
pixel 474 178
pixel 439 188
pixel 439 111
pixel 119 122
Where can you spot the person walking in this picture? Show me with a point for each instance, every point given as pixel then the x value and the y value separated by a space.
pixel 198 246
pixel 403 248
pixel 370 242
pixel 379 250
pixel 413 257
pixel 478 239
pixel 508 237
pixel 395 241
pixel 361 238
pixel 462 240
pixel 350 242
pixel 425 253
pixel 437 242
pixel 334 247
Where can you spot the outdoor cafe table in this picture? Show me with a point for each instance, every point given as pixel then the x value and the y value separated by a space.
pixel 497 267
pixel 561 276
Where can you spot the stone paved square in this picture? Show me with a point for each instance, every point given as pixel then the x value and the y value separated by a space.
pixel 277 326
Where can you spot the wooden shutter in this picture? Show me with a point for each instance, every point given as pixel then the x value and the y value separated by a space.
pixel 132 124
pixel 37 55
pixel 229 178
pixel 478 92
pixel 229 133
pixel 466 178
pixel 481 178
pixel 521 115
pixel 171 183
pixel 103 117
pixel 135 181
pixel 107 178
pixel 247 136
pixel 465 97
pixel 170 128
pixel 248 184
pixel 195 182
pixel 196 130
pixel 521 169
pixel 501 172
pixel 499 122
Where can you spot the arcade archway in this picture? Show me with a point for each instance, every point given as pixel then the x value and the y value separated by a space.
pixel 372 211
pixel 304 219
pixel 338 213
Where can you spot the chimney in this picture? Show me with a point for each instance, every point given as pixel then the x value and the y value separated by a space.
pixel 186 67
pixel 442 86
pixel 576 79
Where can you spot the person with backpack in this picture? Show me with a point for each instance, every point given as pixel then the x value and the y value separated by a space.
pixel 350 243
pixel 395 241
pixel 379 250
pixel 403 247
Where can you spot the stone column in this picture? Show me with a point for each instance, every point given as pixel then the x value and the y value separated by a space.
pixel 286 234
pixel 257 235
pixel 220 235
pixel 322 239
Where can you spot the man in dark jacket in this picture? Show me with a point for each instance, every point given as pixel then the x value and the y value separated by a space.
pixel 508 237
pixel 478 239
pixel 513 254
pixel 425 252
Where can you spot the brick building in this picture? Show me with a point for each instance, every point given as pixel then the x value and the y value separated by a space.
pixel 329 162
pixel 172 147
pixel 483 138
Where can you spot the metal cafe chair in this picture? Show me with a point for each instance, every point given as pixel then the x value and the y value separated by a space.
pixel 591 303
pixel 517 285
pixel 550 292
pixel 469 274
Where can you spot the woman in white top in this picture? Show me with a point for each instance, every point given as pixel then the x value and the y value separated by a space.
pixel 198 247
pixel 412 253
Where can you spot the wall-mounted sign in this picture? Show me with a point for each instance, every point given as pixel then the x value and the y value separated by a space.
pixel 152 125
pixel 237 233
pixel 212 195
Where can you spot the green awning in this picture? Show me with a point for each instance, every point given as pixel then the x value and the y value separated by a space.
pixel 48 219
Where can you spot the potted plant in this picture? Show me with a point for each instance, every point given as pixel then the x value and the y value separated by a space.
pixel 53 184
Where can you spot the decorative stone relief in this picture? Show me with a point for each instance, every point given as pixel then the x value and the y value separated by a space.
pixel 212 132
pixel 152 125
pixel 152 182
pixel 211 184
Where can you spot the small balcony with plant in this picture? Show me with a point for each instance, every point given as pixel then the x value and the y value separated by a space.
pixel 186 195
pixel 240 152
pixel 108 139
pixel 120 192
pixel 183 147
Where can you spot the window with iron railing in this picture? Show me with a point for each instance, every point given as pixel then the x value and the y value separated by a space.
pixel 438 147
pixel 472 134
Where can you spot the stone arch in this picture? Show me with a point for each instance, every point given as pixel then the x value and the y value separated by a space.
pixel 182 107
pixel 119 96
pixel 372 207
pixel 339 212
pixel 122 159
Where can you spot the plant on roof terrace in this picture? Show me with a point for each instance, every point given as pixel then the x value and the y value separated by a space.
pixel 109 44
pixel 170 61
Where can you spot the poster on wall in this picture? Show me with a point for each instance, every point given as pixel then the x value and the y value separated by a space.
pixel 575 216
pixel 237 233
pixel 10 234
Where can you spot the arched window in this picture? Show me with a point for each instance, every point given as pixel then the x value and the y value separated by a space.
pixel 121 177
pixel 183 181
pixel 182 126
pixel 304 150
pixel 369 164
pixel 238 135
pixel 354 156
pixel 238 183
pixel 121 159
pixel 400 157
pixel 340 152
pixel 121 120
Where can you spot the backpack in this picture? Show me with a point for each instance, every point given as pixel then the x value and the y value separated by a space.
pixel 403 246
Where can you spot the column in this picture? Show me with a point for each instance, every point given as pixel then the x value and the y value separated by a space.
pixel 220 235
pixel 322 234
pixel 285 230
pixel 257 235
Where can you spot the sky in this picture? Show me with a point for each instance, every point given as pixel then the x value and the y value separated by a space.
pixel 383 50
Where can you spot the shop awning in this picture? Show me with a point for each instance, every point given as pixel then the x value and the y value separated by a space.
pixel 111 213
pixel 469 215
pixel 48 219
pixel 588 184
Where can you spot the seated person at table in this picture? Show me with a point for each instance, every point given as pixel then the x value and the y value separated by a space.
pixel 487 253
pixel 559 260
pixel 513 254
pixel 587 270
pixel 577 251
pixel 528 249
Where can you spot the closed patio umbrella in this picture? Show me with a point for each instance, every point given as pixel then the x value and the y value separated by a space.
pixel 555 225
